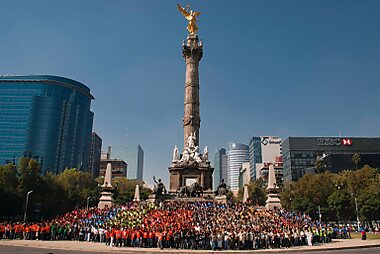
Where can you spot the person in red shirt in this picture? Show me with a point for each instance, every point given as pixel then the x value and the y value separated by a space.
pixel 2 231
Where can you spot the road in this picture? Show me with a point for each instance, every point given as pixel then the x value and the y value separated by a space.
pixel 21 250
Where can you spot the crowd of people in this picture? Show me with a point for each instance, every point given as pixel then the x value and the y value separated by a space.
pixel 181 225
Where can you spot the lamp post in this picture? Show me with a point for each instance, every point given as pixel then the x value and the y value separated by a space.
pixel 357 212
pixel 88 199
pixel 26 205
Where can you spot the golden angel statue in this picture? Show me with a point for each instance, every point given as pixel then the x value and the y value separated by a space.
pixel 191 16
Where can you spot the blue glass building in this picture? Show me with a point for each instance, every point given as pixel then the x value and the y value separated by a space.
pixel 47 118
pixel 220 167
pixel 133 155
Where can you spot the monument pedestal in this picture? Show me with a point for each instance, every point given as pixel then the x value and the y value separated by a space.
pixel 159 198
pixel 106 199
pixel 221 199
pixel 273 202
pixel 185 174
pixel 273 199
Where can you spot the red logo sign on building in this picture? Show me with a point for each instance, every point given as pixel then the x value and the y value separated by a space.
pixel 346 142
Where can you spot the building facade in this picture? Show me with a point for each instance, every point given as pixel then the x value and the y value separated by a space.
pixel 244 176
pixel 263 170
pixel 47 118
pixel 263 149
pixel 95 155
pixel 131 154
pixel 119 168
pixel 236 155
pixel 300 154
pixel 220 167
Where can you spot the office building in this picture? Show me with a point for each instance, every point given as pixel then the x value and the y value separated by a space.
pixel 131 154
pixel 220 167
pixel 95 154
pixel 300 154
pixel 236 155
pixel 47 118
pixel 262 149
pixel 119 168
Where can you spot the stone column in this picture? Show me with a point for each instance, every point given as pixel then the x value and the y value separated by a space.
pixel 192 52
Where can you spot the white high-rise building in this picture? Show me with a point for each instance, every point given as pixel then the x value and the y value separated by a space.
pixel 236 155
pixel 263 149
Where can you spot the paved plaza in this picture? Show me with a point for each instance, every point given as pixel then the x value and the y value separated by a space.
pixel 23 246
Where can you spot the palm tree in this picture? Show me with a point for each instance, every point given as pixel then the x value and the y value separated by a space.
pixel 356 158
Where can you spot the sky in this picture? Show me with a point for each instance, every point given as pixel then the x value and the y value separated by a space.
pixel 270 67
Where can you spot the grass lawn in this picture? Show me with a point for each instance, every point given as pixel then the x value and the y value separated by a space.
pixel 370 236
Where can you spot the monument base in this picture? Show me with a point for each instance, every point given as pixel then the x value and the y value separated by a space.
pixel 160 198
pixel 273 202
pixel 106 200
pixel 182 174
pixel 221 199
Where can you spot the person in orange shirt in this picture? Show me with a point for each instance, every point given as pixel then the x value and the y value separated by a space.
pixel 47 232
pixel 118 235
pixel 159 240
pixel 112 237
pixel 124 235
pixel 151 238
pixel 38 228
pixel 133 236
pixel 27 232
pixel 138 238
pixel 145 239
pixel 107 233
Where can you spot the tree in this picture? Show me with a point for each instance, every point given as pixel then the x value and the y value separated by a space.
pixel 341 204
pixel 308 193
pixel 29 175
pixel 77 186
pixel 369 200
pixel 125 190
pixel 257 192
pixel 10 198
pixel 8 177
pixel 356 158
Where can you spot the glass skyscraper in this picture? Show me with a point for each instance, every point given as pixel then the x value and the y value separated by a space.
pixel 220 167
pixel 47 118
pixel 236 155
pixel 95 154
pixel 133 155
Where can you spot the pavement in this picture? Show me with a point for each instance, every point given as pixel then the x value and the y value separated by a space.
pixel 22 246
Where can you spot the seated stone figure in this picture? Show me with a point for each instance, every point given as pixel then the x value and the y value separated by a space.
pixel 222 189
